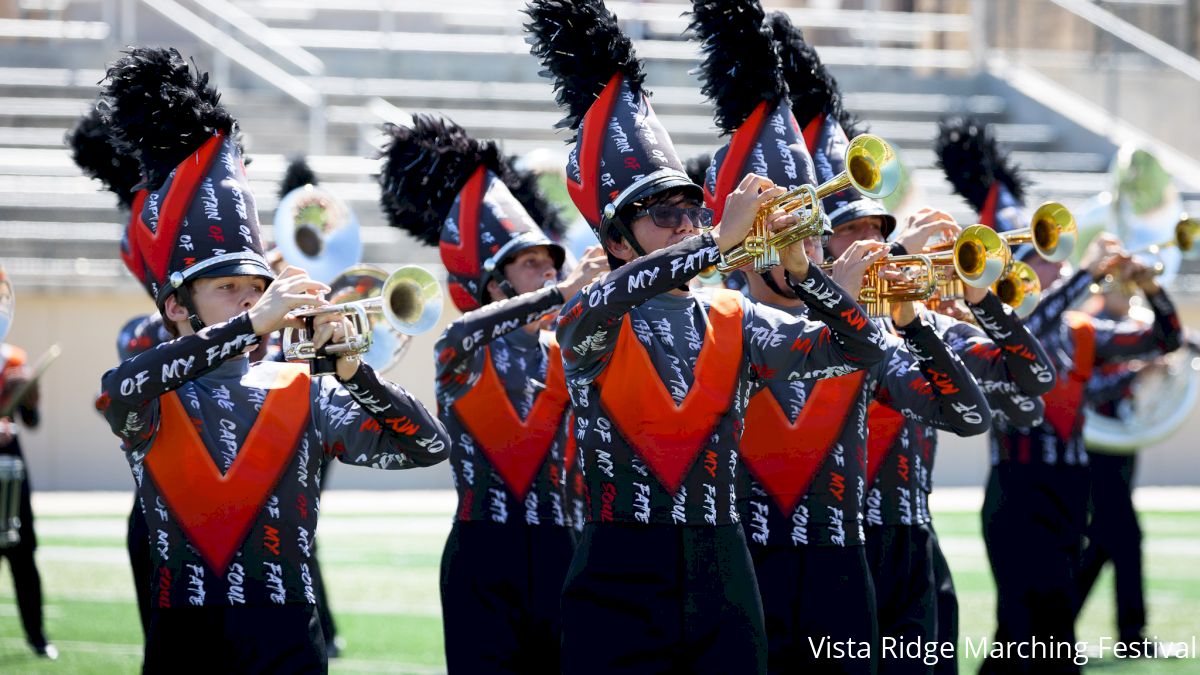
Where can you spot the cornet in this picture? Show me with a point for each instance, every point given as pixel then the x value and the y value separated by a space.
pixel 1052 231
pixel 410 302
pixel 917 281
pixel 871 168
pixel 978 257
pixel 1019 288
pixel 1186 231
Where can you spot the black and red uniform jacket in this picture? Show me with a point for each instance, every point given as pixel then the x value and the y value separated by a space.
pixel 805 451
pixel 228 459
pixel 1077 344
pixel 503 398
pixel 659 382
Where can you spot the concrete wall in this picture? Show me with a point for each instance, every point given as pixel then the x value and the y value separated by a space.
pixel 74 449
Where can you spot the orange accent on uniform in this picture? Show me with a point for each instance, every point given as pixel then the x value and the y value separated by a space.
pixel 785 456
pixel 156 247
pixel 666 436
pixel 516 448
pixel 812 131
pixel 732 166
pixel 987 215
pixel 463 258
pixel 1064 403
pixel 883 426
pixel 216 511
pixel 591 149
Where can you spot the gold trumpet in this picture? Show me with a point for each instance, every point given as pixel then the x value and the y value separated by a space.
pixel 916 281
pixel 1019 288
pixel 410 302
pixel 871 168
pixel 1186 232
pixel 1052 231
pixel 978 257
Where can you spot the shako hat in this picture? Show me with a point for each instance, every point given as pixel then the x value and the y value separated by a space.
pixel 622 154
pixel 828 127
pixel 451 191
pixel 199 217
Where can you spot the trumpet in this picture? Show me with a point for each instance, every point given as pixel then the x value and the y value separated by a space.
pixel 917 281
pixel 978 258
pixel 1186 231
pixel 1019 288
pixel 871 168
pixel 410 302
pixel 1052 231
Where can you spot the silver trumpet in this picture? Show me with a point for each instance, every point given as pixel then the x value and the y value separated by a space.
pixel 409 301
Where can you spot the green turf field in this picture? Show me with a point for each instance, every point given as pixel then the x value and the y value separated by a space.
pixel 382 573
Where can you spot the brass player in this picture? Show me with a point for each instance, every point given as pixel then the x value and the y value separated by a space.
pixel 234 452
pixel 1004 358
pixel 804 447
pixel 120 174
pixel 659 377
pixel 501 394
pixel 1036 498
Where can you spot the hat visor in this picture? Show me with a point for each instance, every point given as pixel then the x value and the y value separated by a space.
pixel 238 268
pixel 864 208
pixel 656 183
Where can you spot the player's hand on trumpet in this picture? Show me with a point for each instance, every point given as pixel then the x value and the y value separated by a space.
pixel 741 208
pixel 292 290
pixel 924 225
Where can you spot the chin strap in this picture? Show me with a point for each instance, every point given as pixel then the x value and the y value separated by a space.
pixel 183 295
pixel 770 282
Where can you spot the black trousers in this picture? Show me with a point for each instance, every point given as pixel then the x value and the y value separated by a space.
pixel 137 544
pixel 26 580
pixel 1033 523
pixel 662 599
pixel 501 585
pixel 901 560
pixel 1114 534
pixel 278 639
pixel 947 610
pixel 812 594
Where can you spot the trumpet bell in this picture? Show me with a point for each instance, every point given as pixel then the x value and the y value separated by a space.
pixel 1019 288
pixel 411 300
pixel 365 282
pixel 1054 231
pixel 1186 231
pixel 317 232
pixel 872 166
pixel 980 256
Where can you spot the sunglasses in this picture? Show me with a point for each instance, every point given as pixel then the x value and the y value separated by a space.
pixel 670 217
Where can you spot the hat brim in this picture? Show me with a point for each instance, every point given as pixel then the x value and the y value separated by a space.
pixel 238 268
pixel 864 208
pixel 656 183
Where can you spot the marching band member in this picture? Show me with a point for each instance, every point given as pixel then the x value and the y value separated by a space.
pixel 1004 357
pixel 659 377
pixel 234 453
pixel 1113 533
pixel 120 174
pixel 501 394
pixel 805 442
pixel 1036 498
pixel 14 373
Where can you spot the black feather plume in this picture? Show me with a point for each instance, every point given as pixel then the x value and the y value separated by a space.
pixel 812 87
pixel 581 46
pixel 967 151
pixel 95 155
pixel 741 67
pixel 298 174
pixel 160 110
pixel 424 168
pixel 697 167
pixel 523 184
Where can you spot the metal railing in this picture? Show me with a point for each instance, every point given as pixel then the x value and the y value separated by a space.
pixel 229 50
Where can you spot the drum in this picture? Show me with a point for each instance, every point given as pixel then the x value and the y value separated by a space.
pixel 12 476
